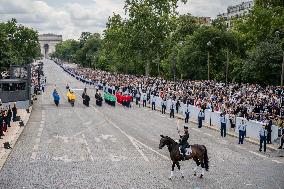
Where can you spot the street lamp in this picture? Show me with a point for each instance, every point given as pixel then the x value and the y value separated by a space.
pixel 208 61
pixel 209 44
pixel 277 33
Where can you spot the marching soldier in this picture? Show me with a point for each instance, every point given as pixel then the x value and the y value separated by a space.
pixel 201 117
pixel 262 138
pixel 242 129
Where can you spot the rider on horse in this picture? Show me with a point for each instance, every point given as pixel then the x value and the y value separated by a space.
pixel 183 141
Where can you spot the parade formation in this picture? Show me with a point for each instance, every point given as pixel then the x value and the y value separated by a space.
pixel 142 94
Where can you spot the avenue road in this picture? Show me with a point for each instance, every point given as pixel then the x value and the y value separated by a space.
pixel 116 147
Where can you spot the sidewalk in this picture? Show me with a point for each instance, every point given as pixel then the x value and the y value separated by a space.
pixel 230 133
pixel 12 135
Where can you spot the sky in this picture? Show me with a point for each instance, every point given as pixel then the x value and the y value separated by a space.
pixel 71 17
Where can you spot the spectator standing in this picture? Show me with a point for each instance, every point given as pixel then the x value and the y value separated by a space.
pixel 9 116
pixel 242 129
pixel 232 119
pixel 223 121
pixel 14 111
pixel 262 138
pixel 269 131
pixel 281 139
pixel 1 125
pixel 172 110
pixel 177 105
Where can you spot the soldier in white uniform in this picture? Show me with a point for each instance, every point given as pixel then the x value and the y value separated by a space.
pixel 223 121
pixel 242 129
pixel 186 112
pixel 262 138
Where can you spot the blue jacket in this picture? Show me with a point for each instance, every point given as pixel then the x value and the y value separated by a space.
pixel 56 96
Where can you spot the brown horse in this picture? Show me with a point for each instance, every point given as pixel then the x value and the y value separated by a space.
pixel 198 153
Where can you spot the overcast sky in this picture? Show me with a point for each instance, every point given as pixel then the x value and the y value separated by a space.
pixel 71 17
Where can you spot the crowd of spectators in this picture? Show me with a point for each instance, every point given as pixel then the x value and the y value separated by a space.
pixel 251 101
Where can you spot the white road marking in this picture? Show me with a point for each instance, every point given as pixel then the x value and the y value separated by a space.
pixel 36 147
pixel 42 122
pixel 148 147
pixel 129 137
pixel 208 134
pixel 139 150
pixel 260 155
pixel 34 155
pixel 88 148
pixel 239 146
pixel 196 129
pixel 277 161
pixel 37 140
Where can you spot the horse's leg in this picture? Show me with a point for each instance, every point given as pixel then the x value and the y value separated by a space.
pixel 203 168
pixel 172 171
pixel 197 163
pixel 177 163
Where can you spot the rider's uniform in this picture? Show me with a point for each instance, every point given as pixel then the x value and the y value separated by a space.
pixel 183 142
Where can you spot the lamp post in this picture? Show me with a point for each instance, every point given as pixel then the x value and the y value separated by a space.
pixel 277 33
pixel 208 61
pixel 209 44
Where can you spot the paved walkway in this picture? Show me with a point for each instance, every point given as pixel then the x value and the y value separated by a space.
pixel 12 134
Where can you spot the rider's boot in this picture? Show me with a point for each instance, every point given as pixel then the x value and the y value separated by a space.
pixel 184 156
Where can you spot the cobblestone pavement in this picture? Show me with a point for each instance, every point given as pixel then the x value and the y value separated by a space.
pixel 107 147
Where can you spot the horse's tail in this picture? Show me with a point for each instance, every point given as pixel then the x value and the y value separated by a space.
pixel 206 160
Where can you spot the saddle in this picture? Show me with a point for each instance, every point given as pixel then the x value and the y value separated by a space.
pixel 188 150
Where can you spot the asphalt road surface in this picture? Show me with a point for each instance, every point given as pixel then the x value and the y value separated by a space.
pixel 116 147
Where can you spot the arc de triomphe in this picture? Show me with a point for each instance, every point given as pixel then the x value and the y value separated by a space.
pixel 48 42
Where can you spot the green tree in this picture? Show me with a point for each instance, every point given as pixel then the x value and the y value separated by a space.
pixel 264 64
pixel 19 44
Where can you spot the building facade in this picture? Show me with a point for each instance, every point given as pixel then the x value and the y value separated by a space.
pixel 48 42
pixel 205 21
pixel 235 12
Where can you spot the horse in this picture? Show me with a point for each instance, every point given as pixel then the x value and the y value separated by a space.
pixel 197 152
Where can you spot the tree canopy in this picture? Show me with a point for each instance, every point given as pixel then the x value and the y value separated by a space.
pixel 19 44
pixel 155 40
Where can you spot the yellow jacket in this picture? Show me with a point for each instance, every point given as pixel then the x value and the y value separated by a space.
pixel 68 95
pixel 72 96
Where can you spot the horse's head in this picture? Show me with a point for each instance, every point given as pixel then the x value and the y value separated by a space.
pixel 165 140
